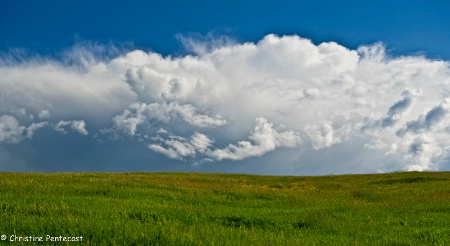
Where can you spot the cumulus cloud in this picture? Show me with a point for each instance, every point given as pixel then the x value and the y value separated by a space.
pixel 44 114
pixel 79 126
pixel 142 113
pixel 427 120
pixel 264 138
pixel 177 147
pixel 395 112
pixel 10 130
pixel 309 106
pixel 422 152
pixel 76 125
pixel 33 127
pixel 324 135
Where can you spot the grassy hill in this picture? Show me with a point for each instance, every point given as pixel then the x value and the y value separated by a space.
pixel 218 209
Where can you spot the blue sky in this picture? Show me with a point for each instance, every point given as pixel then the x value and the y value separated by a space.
pixel 49 26
pixel 292 87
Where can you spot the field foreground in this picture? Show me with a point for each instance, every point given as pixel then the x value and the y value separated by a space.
pixel 218 209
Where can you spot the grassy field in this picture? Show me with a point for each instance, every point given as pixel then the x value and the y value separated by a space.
pixel 217 209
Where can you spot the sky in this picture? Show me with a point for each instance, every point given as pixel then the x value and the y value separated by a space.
pixel 259 87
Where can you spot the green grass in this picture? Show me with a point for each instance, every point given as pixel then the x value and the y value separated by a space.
pixel 216 209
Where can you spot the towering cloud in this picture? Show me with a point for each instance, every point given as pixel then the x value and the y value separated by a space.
pixel 314 108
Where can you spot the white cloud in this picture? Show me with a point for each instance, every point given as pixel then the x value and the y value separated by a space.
pixel 419 152
pixel 79 126
pixel 43 84
pixel 264 138
pixel 328 98
pixel 76 125
pixel 44 114
pixel 141 113
pixel 10 130
pixel 201 45
pixel 322 135
pixel 179 147
pixel 60 126
pixel 33 127
pixel 201 142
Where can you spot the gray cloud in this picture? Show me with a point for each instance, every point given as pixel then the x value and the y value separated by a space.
pixel 282 105
pixel 427 120
pixel 395 111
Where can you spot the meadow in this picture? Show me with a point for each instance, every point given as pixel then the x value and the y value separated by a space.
pixel 411 208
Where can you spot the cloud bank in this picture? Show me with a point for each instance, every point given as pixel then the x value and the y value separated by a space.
pixel 283 105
